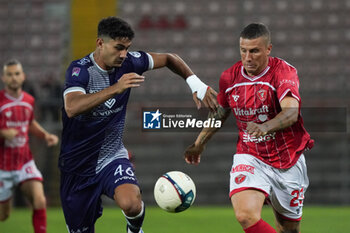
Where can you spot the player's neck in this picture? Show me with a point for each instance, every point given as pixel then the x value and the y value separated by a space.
pixel 13 93
pixel 98 60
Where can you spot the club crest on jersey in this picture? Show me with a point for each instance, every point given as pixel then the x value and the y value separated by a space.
pixel 109 103
pixel 235 97
pixel 76 71
pixel 240 178
pixel 262 94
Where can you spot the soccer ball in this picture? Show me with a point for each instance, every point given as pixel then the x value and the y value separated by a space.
pixel 174 191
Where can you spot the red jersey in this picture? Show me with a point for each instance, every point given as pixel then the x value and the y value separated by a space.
pixel 18 114
pixel 257 99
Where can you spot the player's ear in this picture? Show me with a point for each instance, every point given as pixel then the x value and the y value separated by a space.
pixel 269 48
pixel 99 42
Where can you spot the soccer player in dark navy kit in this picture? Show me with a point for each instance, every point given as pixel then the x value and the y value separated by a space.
pixel 93 160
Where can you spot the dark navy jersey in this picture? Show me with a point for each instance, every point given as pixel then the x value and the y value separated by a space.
pixel 92 140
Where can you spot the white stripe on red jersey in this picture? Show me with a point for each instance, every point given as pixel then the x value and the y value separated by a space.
pixel 18 114
pixel 257 99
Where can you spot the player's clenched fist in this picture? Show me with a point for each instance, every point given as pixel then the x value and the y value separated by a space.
pixel 256 130
pixel 129 80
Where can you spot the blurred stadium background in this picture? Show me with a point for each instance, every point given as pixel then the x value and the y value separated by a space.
pixel 313 35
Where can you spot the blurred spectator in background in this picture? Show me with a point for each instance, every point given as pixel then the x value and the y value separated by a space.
pixel 17 166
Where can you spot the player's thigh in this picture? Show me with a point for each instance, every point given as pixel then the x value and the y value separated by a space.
pixel 248 204
pixel 248 185
pixel 120 184
pixel 5 209
pixel 81 202
pixel 34 192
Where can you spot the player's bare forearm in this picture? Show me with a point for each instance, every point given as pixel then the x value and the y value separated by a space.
pixel 194 151
pixel 283 120
pixel 173 62
pixel 36 129
pixel 287 117
pixel 220 114
pixel 8 134
pixel 76 103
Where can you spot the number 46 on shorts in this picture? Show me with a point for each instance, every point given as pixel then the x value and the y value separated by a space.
pixel 124 172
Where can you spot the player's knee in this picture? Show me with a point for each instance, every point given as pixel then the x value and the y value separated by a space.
pixel 131 206
pixel 4 216
pixel 39 202
pixel 246 219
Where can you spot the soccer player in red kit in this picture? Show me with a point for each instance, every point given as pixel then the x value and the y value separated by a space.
pixel 17 166
pixel 269 165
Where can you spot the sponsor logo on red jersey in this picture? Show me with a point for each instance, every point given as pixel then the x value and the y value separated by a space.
pixel 251 111
pixel 250 138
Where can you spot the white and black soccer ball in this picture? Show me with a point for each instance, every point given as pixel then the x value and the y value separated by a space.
pixel 174 191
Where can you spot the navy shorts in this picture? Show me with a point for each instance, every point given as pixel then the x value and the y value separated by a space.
pixel 81 195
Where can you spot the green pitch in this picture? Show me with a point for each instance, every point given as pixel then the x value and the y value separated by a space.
pixel 194 220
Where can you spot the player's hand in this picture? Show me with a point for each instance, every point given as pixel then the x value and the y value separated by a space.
pixel 193 154
pixel 129 80
pixel 9 134
pixel 256 130
pixel 51 139
pixel 209 99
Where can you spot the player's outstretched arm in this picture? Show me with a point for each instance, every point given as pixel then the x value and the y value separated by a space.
pixel 194 151
pixel 287 117
pixel 36 129
pixel 76 103
pixel 200 91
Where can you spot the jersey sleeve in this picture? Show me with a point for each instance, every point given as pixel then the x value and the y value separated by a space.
pixel 141 61
pixel 223 85
pixel 77 78
pixel 287 82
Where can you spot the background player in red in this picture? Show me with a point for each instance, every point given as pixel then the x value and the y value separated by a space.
pixel 269 165
pixel 17 166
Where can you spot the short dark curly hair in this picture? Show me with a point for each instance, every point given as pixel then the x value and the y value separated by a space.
pixel 115 27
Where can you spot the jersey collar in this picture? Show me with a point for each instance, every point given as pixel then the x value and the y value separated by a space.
pixel 93 61
pixel 255 77
pixel 13 98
